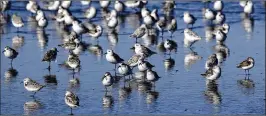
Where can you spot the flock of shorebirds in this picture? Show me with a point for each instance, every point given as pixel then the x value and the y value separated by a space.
pixel 153 25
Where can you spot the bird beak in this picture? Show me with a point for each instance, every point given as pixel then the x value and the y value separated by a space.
pixel 132 48
pixel 3 51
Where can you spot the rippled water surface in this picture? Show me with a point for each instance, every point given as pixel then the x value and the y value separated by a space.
pixel 181 90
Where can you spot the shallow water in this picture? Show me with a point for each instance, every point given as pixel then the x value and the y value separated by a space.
pixel 181 90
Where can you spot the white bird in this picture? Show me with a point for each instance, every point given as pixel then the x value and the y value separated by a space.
pixel 124 69
pixel 40 14
pixel 249 8
pixel 190 37
pixel 161 24
pixel 152 76
pixel 53 5
pixel 42 22
pixel 220 36
pixel 10 53
pixel 32 6
pixel 148 19
pixel 112 57
pixel 224 28
pixel 132 4
pixel 107 80
pixel 209 14
pixel 71 100
pixel 104 3
pixel 154 14
pixel 189 18
pixel 94 30
pixel 90 13
pixel 78 27
pixel 247 64
pixel 243 3
pixel 142 50
pixel 119 6
pixel 213 73
pixel 32 86
pixel 17 21
pixel 139 32
pixel 133 61
pixel 144 65
pixel 66 4
pixel 220 18
pixel 73 62
pixel 172 27
pixel 218 5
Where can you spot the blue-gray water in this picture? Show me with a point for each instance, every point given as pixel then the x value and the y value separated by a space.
pixel 181 92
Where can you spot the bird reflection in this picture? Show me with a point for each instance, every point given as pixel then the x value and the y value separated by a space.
pixel 191 58
pixel 107 101
pixel 10 73
pixel 144 86
pixel 169 64
pixel 74 83
pixel 95 50
pixel 209 32
pixel 212 93
pixel 246 85
pixel 42 39
pixel 31 106
pixel 161 48
pixel 32 23
pixel 17 42
pixel 151 96
pixel 248 23
pixel 124 91
pixel 222 52
pixel 50 79
pixel 112 37
pixel 139 76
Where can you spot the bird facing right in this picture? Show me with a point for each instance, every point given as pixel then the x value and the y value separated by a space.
pixel 247 64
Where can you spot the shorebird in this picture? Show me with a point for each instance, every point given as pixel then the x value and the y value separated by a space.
pixel 190 37
pixel 40 14
pixel 71 100
pixel 107 80
pixel 32 86
pixel 73 61
pixel 219 18
pixel 90 13
pixel 66 4
pixel 42 22
pixel 161 25
pixel 218 5
pixel 144 65
pixel 133 61
pixel 104 3
pixel 243 3
pixel 53 5
pixel 142 50
pixel 213 73
pixel 78 28
pixel 113 57
pixel 189 18
pixel 220 36
pixel 154 15
pixel 32 6
pixel 170 45
pixel 152 76
pixel 172 27
pixel 94 30
pixel 209 14
pixel 50 56
pixel 118 6
pixel 139 32
pixel 224 28
pixel 17 21
pixel 211 61
pixel 249 8
pixel 247 64
pixel 10 53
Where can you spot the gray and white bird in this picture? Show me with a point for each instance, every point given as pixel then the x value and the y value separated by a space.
pixel 211 61
pixel 213 73
pixel 224 28
pixel 78 27
pixel 112 57
pixel 247 64
pixel 189 18
pixel 90 12
pixel 219 18
pixel 124 69
pixel 190 37
pixel 249 8
pixel 107 80
pixel 104 3
pixel 161 25
pixel 220 36
pixel 170 45
pixel 209 14
pixel 42 22
pixel 218 5
pixel 66 4
pixel 133 60
pixel 172 27
pixel 144 65
pixel 152 76
pixel 139 32
pixel 17 21
pixel 10 53
pixel 32 6
pixel 72 100
pixel 142 50
pixel 50 56
pixel 32 86
pixel 94 30
pixel 73 62
pixel 119 6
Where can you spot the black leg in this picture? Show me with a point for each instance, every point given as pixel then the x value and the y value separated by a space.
pixel 49 67
pixel 248 71
pixel 71 111
pixel 245 72
pixel 136 40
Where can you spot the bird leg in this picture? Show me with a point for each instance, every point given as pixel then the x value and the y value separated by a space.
pixel 71 111
pixel 245 72
pixel 49 67
pixel 136 40
pixel 171 35
pixel 248 72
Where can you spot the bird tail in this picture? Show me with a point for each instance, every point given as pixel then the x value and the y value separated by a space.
pixel 238 66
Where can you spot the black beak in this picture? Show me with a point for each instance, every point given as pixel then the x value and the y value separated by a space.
pixel 132 48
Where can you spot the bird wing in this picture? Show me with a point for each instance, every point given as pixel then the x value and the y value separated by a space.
pixel 244 63
pixel 117 57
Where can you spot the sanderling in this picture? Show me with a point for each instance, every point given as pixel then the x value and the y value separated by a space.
pixel 169 64
pixel 90 13
pixel 220 36
pixel 107 80
pixel 249 8
pixel 133 61
pixel 66 4
pixel 104 3
pixel 161 24
pixel 119 6
pixel 78 27
pixel 124 69
pixel 10 53
pixel 190 37
pixel 74 62
pixel 40 14
pixel 224 28
pixel 113 22
pixel 211 61
pixel 170 45
pixel 218 5
pixel 32 6
pixel 17 21
pixel 189 18
pixel 247 64
pixel 212 73
pixel 68 18
pixel 220 18
pixel 94 30
pixel 144 65
pixel 132 4
pixel 32 86
pixel 53 5
pixel 243 3
pixel 72 100
pixel 172 27
pixel 209 14
pixel 142 50
pixel 42 22
pixel 50 56
pixel 154 15
pixel 139 32
pixel 168 6
pixel 152 76
pixel 112 57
